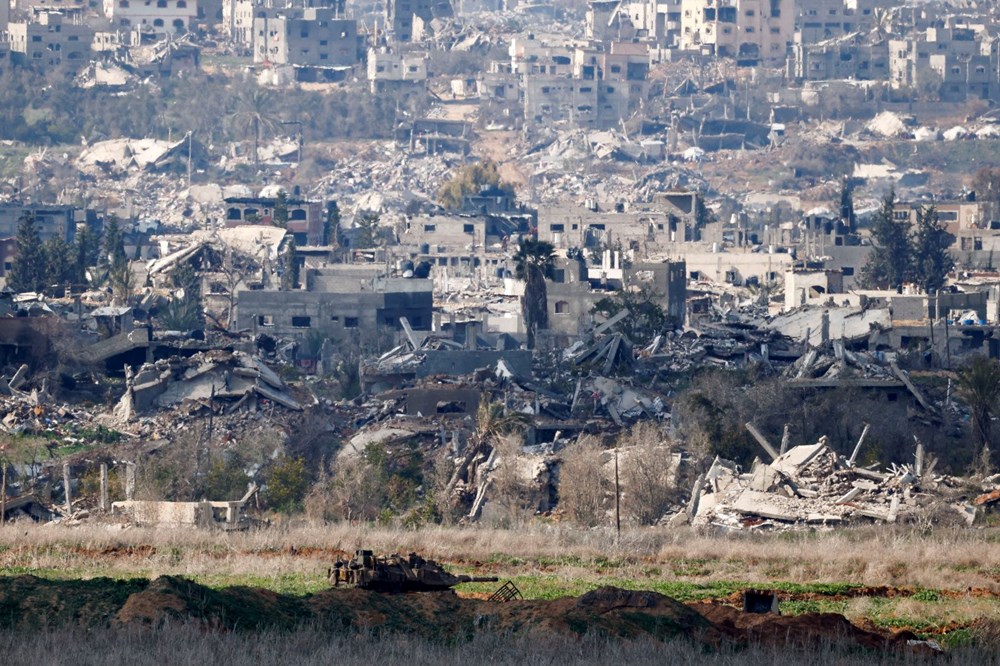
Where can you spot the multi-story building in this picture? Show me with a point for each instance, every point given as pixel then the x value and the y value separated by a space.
pixel 392 70
pixel 748 30
pixel 314 37
pixel 305 218
pixel 403 16
pixel 909 59
pixel 953 62
pixel 49 40
pixel 30 6
pixel 654 21
pixel 588 86
pixel 160 16
pixel 847 57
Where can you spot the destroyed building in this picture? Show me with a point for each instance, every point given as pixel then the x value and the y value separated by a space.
pixel 311 38
pixel 957 59
pixel 306 218
pixel 435 135
pixel 592 86
pixel 391 70
pixel 406 18
pixel 576 288
pixel 847 57
pixel 338 305
pixel 49 40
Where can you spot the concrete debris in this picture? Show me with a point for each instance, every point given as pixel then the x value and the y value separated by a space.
pixel 121 155
pixel 236 380
pixel 811 486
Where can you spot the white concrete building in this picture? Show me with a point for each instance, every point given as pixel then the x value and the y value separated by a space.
pixel 749 30
pixel 166 16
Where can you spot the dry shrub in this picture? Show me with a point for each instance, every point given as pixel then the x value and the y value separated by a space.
pixel 513 495
pixel 351 493
pixel 986 634
pixel 648 471
pixel 584 488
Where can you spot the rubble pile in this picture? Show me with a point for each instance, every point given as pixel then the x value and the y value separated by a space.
pixel 388 170
pixel 187 383
pixel 810 485
pixel 834 361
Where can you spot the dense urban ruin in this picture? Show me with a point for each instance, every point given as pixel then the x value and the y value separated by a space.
pixel 724 266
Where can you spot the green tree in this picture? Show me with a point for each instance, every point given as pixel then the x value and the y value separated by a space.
pixel 847 204
pixel 368 230
pixel 931 259
pixel 287 484
pixel 702 214
pixel 181 314
pixel 889 264
pixel 113 255
pixel 646 319
pixel 471 180
pixel 226 480
pixel 280 217
pixel 533 263
pixel 979 386
pixel 331 225
pixel 254 116
pixel 28 271
pixel 87 251
pixel 290 276
pixel 60 258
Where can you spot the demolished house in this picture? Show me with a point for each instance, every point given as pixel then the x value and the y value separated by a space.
pixel 810 486
pixel 208 380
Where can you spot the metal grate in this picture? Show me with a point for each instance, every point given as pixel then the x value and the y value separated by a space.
pixel 506 592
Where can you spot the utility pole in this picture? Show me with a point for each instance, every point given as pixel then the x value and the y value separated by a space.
pixel 3 491
pixel 189 137
pixel 618 514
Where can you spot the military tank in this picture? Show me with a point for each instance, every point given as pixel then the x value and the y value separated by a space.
pixel 395 573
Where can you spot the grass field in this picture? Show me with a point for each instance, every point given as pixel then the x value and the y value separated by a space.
pixel 936 583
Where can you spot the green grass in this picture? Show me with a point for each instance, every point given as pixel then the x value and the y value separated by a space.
pixel 800 607
pixel 293 584
pixel 549 586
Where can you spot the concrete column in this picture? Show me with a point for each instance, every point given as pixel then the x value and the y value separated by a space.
pixel 67 490
pixel 130 481
pixel 105 504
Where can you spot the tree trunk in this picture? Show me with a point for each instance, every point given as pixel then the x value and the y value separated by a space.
pixel 256 142
pixel 474 448
pixel 3 492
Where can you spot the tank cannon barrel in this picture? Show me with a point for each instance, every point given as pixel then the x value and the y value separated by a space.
pixel 477 579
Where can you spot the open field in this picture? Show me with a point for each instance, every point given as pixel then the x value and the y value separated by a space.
pixel 938 584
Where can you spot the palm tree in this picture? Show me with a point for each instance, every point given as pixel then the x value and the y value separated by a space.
pixel 979 386
pixel 493 421
pixel 533 262
pixel 881 23
pixel 252 116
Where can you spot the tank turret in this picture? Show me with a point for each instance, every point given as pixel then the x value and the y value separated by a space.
pixel 395 573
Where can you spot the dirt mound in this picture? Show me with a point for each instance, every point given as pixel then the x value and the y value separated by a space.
pixel 170 598
pixel 806 630
pixel 27 602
